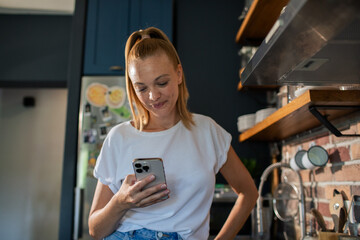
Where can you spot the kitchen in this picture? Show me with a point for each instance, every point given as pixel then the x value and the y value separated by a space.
pixel 211 30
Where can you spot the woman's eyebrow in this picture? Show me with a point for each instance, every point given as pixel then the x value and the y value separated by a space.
pixel 139 83
pixel 156 79
pixel 163 75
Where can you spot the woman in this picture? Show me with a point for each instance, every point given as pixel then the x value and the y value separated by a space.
pixel 193 148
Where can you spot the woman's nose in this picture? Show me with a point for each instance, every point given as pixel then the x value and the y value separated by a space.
pixel 154 95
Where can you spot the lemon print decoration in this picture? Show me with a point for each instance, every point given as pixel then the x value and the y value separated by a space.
pixel 115 97
pixel 96 93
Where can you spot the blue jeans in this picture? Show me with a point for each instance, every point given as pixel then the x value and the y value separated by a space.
pixel 143 234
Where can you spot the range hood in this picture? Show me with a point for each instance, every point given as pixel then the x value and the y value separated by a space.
pixel 314 42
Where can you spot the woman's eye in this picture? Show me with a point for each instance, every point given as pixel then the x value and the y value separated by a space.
pixel 141 89
pixel 163 83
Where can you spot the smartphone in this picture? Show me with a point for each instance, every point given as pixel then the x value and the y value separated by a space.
pixel 144 167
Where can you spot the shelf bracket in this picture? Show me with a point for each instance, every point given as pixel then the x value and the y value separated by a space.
pixel 323 119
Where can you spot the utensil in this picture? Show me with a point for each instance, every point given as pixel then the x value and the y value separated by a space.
pixel 356 208
pixel 316 156
pixel 319 219
pixel 354 215
pixel 274 150
pixel 350 226
pixel 342 220
pixel 335 205
pixel 295 162
pixel 286 201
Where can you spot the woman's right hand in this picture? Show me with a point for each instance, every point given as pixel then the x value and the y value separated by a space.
pixel 132 195
pixel 108 209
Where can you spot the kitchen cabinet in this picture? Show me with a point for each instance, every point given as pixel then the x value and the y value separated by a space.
pixel 34 50
pixel 295 117
pixel 109 24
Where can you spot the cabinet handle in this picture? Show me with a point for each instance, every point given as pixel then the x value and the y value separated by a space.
pixel 116 68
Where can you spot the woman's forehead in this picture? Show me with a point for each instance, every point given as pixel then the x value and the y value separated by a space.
pixel 151 65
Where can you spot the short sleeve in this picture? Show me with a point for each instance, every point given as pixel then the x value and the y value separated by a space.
pixel 222 141
pixel 105 168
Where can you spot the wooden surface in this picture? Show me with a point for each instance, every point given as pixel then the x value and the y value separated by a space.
pixel 258 21
pixel 295 117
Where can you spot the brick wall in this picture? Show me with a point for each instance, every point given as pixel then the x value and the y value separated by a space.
pixel 342 172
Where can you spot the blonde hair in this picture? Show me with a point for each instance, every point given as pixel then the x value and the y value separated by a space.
pixel 144 43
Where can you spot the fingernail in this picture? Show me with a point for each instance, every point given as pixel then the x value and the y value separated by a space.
pixel 152 177
pixel 163 186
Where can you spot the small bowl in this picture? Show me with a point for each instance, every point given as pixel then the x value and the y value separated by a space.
pixel 260 115
pixel 245 122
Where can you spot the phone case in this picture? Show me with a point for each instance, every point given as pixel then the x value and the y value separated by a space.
pixel 145 166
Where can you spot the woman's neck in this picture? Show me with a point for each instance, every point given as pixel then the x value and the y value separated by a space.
pixel 160 124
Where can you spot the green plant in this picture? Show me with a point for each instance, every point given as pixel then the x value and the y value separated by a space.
pixel 251 165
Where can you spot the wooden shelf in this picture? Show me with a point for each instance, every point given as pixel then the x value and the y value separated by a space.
pixel 295 117
pixel 259 20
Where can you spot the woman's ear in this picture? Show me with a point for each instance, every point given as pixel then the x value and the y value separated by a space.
pixel 179 72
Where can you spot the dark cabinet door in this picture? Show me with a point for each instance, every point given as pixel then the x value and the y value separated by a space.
pixel 34 50
pixel 109 24
pixel 106 33
pixel 152 13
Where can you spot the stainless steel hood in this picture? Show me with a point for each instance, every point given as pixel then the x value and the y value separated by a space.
pixel 314 42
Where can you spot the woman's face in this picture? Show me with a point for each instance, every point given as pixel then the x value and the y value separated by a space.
pixel 156 81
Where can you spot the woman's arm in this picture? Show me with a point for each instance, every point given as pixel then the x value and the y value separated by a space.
pixel 242 183
pixel 108 209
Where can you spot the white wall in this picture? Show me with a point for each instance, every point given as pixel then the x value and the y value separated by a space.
pixel 31 156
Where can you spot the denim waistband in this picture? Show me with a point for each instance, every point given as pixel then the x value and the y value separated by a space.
pixel 144 234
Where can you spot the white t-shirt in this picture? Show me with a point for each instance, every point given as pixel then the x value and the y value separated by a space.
pixel 191 159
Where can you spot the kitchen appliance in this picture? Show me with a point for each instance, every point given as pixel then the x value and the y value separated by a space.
pixel 103 105
pixel 312 43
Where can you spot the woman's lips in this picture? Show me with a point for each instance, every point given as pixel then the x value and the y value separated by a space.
pixel 158 105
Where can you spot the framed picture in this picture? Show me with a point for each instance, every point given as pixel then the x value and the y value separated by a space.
pixel 103 131
pixel 105 114
pixel 90 135
pixel 87 109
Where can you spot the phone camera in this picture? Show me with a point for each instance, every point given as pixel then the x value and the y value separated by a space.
pixel 140 167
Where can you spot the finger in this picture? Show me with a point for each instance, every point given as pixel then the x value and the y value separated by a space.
pixel 152 190
pixel 130 179
pixel 139 185
pixel 155 198
pixel 151 194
